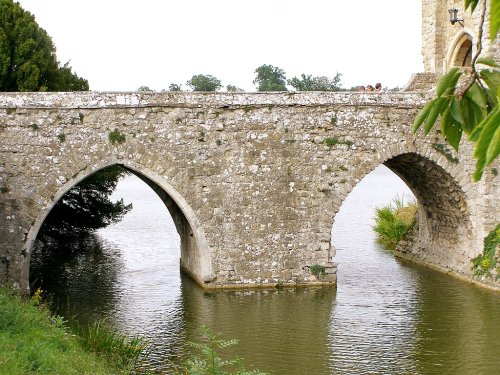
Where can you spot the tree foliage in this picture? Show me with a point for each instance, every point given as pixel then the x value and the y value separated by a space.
pixel 87 207
pixel 174 87
pixel 310 83
pixel 144 89
pixel 28 56
pixel 233 88
pixel 467 101
pixel 202 82
pixel 270 78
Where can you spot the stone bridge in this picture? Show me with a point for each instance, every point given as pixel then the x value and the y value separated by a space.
pixel 252 180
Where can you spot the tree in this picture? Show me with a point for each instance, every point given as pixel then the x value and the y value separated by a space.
pixel 202 82
pixel 86 206
pixel 467 101
pixel 144 89
pixel 174 87
pixel 232 88
pixel 28 56
pixel 310 83
pixel 270 78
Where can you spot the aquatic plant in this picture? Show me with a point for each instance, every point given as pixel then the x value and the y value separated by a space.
pixel 209 362
pixel 121 349
pixel 393 221
pixel 484 263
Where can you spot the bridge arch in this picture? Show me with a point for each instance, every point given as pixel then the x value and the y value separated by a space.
pixel 444 228
pixel 196 258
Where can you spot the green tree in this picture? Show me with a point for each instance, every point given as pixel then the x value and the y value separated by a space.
pixel 310 83
pixel 467 101
pixel 87 207
pixel 144 89
pixel 174 87
pixel 28 56
pixel 202 82
pixel 232 88
pixel 270 78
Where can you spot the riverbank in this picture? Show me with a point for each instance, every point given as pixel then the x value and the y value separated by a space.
pixel 32 341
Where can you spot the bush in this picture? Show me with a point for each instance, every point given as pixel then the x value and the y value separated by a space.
pixel 392 222
pixel 484 263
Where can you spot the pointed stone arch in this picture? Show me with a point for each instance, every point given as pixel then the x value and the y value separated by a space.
pixel 460 51
pixel 443 237
pixel 196 258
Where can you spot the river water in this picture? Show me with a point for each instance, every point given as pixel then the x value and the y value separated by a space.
pixel 386 316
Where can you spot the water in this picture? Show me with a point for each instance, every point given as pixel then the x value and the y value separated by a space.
pixel 386 316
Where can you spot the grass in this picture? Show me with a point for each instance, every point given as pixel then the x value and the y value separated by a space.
pixel 32 341
pixel 393 221
pixel 115 137
pixel 484 263
pixel 318 270
pixel 332 141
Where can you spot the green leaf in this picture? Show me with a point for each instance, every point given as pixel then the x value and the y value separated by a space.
pixel 472 4
pixel 471 113
pixel 477 95
pixel 485 150
pixel 488 61
pixel 494 147
pixel 422 115
pixel 450 128
pixel 491 78
pixel 494 18
pixel 448 82
pixel 437 108
pixel 456 111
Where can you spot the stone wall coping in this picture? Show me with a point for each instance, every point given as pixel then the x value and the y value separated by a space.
pixel 95 99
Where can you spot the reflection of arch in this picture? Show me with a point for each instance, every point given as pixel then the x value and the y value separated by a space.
pixel 195 251
pixel 460 51
pixel 444 219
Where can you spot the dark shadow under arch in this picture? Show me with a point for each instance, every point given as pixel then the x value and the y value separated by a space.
pixel 443 238
pixel 444 226
pixel 195 255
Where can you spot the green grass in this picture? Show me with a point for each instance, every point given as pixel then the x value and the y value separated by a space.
pixel 393 221
pixel 32 341
pixel 318 270
pixel 484 263
pixel 115 137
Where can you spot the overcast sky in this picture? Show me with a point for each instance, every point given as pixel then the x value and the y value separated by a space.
pixel 119 45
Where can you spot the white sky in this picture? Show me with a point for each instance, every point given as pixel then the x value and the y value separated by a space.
pixel 119 45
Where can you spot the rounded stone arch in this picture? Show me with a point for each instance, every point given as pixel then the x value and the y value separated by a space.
pixel 196 259
pixel 444 236
pixel 460 50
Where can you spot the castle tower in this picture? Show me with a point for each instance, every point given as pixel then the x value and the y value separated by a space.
pixel 444 44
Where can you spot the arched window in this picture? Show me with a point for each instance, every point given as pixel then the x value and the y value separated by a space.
pixel 461 55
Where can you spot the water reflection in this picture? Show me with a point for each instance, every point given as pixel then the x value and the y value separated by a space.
pixel 458 327
pixel 74 272
pixel 386 316
pixel 281 331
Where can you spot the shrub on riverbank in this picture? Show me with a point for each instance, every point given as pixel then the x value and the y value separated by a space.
pixel 393 221
pixel 485 263
pixel 34 342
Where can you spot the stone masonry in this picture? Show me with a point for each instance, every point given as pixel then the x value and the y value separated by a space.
pixel 252 180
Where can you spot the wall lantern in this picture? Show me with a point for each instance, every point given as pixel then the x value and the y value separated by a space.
pixel 454 16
